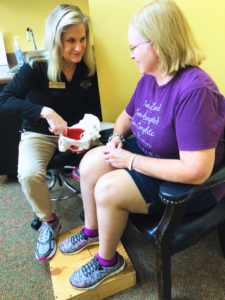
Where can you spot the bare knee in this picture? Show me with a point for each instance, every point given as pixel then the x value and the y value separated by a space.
pixel 92 164
pixel 117 190
pixel 105 191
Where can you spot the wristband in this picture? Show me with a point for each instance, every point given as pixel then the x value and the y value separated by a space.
pixel 131 162
pixel 117 134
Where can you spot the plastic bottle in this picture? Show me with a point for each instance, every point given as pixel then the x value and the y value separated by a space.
pixel 18 52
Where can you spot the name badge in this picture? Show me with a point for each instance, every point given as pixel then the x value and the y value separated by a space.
pixel 57 85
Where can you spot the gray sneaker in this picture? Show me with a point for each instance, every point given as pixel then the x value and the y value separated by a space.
pixel 93 273
pixel 46 244
pixel 76 243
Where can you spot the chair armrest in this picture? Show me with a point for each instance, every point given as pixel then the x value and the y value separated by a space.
pixel 176 193
pixel 105 134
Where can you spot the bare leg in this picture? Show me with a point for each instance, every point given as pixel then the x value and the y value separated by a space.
pixel 116 195
pixel 92 167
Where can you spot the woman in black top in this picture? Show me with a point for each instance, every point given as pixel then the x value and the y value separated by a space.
pixel 60 86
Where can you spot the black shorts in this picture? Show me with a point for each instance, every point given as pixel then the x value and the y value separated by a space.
pixel 149 188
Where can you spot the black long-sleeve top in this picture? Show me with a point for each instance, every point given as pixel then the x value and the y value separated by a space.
pixel 80 96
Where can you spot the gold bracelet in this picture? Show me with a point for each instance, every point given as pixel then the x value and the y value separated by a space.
pixel 131 162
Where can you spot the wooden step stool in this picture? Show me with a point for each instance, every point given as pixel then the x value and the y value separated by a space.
pixel 63 266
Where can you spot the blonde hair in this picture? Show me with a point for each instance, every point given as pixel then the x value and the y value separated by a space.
pixel 163 22
pixel 57 23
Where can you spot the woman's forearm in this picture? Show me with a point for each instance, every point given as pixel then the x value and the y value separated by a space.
pixel 174 170
pixel 57 124
pixel 164 169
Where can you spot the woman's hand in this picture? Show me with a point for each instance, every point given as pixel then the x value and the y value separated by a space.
pixel 117 157
pixel 56 123
pixel 116 142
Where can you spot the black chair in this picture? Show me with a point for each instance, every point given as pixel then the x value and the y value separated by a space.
pixel 175 231
pixel 60 162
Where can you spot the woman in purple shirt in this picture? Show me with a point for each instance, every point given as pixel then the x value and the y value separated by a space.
pixel 177 118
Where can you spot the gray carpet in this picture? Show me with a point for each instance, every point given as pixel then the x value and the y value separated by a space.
pixel 197 273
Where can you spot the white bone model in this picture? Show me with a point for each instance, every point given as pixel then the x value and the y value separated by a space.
pixel 81 135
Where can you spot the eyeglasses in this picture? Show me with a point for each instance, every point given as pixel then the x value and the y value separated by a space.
pixel 133 48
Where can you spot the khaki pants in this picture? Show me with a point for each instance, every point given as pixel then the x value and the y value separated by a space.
pixel 35 152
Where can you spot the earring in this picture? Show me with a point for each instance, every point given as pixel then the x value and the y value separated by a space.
pixel 156 50
pixel 157 56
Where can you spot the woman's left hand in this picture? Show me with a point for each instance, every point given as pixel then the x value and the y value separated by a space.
pixel 117 158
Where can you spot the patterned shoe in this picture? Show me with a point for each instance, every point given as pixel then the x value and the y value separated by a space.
pixel 93 273
pixel 46 244
pixel 76 174
pixel 76 243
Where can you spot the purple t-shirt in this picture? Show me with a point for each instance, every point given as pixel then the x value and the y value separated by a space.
pixel 185 114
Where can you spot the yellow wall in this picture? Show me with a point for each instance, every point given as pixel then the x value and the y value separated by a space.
pixel 118 74
pixel 16 16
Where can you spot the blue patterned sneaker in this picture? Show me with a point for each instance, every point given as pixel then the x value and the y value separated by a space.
pixel 93 273
pixel 76 243
pixel 46 244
